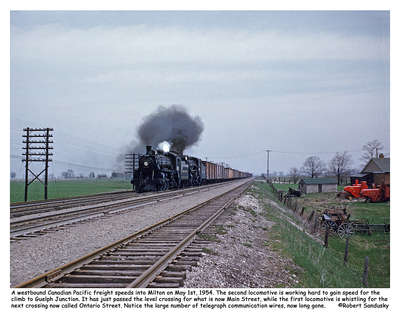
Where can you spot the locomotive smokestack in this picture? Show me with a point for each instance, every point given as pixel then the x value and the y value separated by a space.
pixel 148 149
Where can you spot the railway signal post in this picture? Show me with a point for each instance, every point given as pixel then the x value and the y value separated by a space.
pixel 37 153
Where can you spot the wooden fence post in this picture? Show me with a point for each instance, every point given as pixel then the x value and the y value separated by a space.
pixel 302 212
pixel 326 237
pixel 311 216
pixel 346 250
pixel 314 229
pixel 365 274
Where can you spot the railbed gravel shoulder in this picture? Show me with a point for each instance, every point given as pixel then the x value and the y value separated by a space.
pixel 34 256
pixel 241 257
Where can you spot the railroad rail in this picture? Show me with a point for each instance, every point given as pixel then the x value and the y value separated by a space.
pixel 153 257
pixel 35 207
pixel 28 226
pixel 29 208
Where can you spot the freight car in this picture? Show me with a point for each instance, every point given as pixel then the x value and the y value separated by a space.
pixel 158 170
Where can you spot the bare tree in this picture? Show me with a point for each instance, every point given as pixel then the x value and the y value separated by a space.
pixel 313 166
pixel 340 164
pixel 68 174
pixel 294 174
pixel 371 149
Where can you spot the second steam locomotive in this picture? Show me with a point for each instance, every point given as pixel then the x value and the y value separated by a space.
pixel 158 170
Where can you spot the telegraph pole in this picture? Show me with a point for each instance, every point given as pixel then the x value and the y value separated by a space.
pixel 131 164
pixel 46 172
pixel 268 151
pixel 31 156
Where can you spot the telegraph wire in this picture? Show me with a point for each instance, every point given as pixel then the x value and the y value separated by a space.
pixel 261 152
pixel 64 133
pixel 69 163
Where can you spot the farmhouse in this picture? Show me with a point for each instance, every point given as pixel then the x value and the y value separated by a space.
pixel 312 185
pixel 377 170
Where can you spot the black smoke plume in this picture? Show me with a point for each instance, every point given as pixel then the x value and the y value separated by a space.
pixel 173 124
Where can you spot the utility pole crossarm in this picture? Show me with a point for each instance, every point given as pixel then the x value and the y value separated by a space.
pixel 30 156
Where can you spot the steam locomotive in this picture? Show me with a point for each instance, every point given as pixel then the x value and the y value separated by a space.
pixel 158 170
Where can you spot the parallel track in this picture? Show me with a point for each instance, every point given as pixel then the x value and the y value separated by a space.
pixel 35 225
pixel 154 257
pixel 31 208
pixel 37 207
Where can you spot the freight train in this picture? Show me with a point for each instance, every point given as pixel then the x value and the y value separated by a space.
pixel 158 170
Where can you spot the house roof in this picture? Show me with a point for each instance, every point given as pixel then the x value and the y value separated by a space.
pixel 377 165
pixel 358 175
pixel 324 180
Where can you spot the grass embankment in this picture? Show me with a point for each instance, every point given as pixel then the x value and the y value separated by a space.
pixel 324 267
pixel 65 188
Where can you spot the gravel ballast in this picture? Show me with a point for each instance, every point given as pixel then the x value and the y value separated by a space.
pixel 242 256
pixel 34 256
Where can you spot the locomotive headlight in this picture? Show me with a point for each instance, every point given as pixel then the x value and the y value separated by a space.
pixel 145 163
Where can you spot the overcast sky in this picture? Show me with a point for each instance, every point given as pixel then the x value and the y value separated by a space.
pixel 298 83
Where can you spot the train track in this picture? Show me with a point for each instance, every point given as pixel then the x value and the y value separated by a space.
pixel 31 208
pixel 28 208
pixel 28 226
pixel 157 256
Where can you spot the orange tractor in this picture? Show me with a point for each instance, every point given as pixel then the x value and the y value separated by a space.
pixel 361 190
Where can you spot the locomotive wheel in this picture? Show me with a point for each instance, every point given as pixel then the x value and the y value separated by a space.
pixel 345 230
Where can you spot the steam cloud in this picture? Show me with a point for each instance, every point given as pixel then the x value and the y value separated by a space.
pixel 172 124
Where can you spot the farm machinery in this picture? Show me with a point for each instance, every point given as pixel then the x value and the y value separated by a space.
pixel 380 194
pixel 353 191
pixel 360 190
pixel 338 221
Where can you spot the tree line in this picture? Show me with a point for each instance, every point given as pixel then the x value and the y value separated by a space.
pixel 339 165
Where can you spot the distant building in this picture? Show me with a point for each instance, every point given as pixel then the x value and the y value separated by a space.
pixel 314 185
pixel 377 170
pixel 117 175
pixel 101 176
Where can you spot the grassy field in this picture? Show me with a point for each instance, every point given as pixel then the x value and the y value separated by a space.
pixel 324 267
pixel 285 186
pixel 359 209
pixel 65 188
